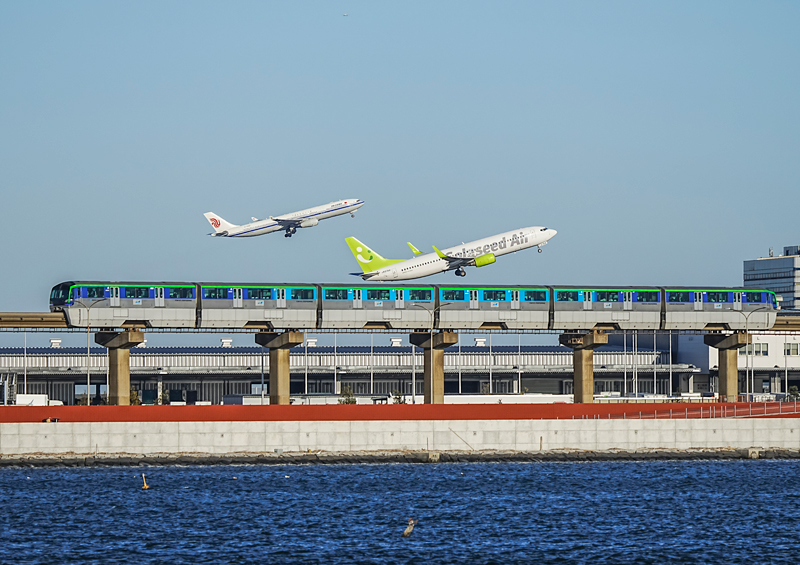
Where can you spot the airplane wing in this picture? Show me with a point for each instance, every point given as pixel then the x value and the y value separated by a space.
pixel 287 222
pixel 455 262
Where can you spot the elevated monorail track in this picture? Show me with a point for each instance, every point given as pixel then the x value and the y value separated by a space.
pixel 50 322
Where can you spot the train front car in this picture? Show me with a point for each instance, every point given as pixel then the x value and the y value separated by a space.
pixel 258 306
pixel 60 296
pixel 516 307
pixel 719 309
pixel 364 307
pixel 624 308
pixel 125 304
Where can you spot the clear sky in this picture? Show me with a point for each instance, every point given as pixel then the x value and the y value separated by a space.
pixel 661 140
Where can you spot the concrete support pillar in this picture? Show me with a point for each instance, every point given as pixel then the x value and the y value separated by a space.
pixel 583 346
pixel 727 346
pixel 433 355
pixel 279 373
pixel 119 367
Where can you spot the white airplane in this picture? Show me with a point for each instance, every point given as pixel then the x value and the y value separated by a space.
pixel 288 222
pixel 474 254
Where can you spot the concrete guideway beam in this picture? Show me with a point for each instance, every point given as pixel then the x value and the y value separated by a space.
pixel 434 362
pixel 279 375
pixel 119 363
pixel 583 346
pixel 728 362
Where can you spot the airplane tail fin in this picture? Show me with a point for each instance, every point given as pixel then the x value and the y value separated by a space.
pixel 220 226
pixel 368 259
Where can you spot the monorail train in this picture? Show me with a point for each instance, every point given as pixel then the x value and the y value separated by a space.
pixel 331 306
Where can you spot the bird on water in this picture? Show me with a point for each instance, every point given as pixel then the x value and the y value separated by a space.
pixel 410 528
pixel 145 487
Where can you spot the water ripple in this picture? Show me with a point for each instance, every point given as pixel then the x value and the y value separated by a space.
pixel 603 512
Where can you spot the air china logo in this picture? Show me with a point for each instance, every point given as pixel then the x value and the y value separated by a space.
pixel 214 222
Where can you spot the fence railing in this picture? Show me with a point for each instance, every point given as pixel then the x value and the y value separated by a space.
pixel 750 410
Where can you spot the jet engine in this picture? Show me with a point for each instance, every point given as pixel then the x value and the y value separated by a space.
pixel 309 223
pixel 483 260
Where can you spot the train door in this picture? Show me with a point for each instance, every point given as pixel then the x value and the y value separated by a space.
pixel 280 297
pixel 627 300
pixel 114 296
pixel 237 298
pixel 698 300
pixel 357 298
pixel 399 299
pixel 158 293
pixel 514 299
pixel 473 300
pixel 737 300
pixel 587 299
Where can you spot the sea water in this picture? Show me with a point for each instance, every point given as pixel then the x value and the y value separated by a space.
pixel 600 512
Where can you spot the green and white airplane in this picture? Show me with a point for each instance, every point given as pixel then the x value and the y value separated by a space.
pixel 474 254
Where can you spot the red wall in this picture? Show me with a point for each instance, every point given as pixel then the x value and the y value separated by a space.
pixel 357 412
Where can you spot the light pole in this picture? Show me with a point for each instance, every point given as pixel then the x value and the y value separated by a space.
pixel 432 312
pixel 88 348
pixel 748 373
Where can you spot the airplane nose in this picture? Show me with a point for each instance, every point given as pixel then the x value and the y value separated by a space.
pixel 553 233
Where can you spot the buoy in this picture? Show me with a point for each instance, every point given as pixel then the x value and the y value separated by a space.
pixel 410 528
pixel 145 487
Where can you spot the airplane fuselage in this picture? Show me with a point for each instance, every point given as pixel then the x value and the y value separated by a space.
pixel 432 264
pixel 310 216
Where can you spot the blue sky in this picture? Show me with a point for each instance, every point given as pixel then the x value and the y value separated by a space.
pixel 661 140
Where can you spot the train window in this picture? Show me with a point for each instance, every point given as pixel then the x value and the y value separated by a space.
pixel 377 294
pixel 95 291
pixel 647 296
pixel 259 293
pixel 180 292
pixel 753 297
pixel 452 295
pixel 494 295
pixel 335 294
pixel 59 294
pixel 717 296
pixel 679 297
pixel 567 295
pixel 302 294
pixel 215 293
pixel 419 294
pixel 535 296
pixel 137 292
pixel 608 296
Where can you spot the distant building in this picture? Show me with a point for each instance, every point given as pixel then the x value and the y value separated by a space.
pixel 780 274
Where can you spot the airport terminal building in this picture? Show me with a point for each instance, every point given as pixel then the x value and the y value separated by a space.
pixel 209 374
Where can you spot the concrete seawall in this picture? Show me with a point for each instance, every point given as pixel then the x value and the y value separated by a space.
pixel 532 436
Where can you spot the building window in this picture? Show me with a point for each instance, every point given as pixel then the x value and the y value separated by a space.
pixel 791 348
pixel 755 349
